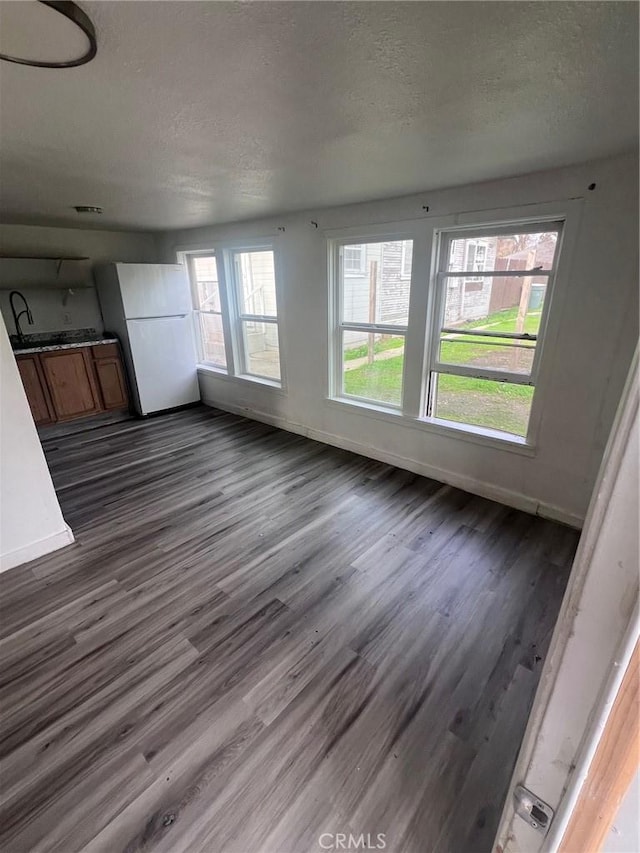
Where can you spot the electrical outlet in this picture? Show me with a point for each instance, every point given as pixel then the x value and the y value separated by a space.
pixel 66 318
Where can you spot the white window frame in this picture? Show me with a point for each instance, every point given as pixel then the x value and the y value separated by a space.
pixel 426 233
pixel 443 274
pixel 231 315
pixel 239 317
pixel 338 326
pixel 188 259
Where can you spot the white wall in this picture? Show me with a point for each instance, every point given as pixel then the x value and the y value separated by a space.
pixel 594 638
pixel 82 309
pixel 31 522
pixel 582 374
pixel 54 310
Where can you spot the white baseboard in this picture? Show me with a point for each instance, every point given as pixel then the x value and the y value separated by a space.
pixel 556 513
pixel 467 484
pixel 36 549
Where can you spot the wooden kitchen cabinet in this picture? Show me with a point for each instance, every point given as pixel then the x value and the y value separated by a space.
pixel 36 389
pixel 110 376
pixel 73 383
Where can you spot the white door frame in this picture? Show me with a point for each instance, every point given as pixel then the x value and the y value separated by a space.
pixel 591 645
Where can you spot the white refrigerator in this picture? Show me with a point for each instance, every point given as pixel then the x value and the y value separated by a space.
pixel 148 306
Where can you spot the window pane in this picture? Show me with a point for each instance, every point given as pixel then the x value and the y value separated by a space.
pixel 208 291
pixel 212 337
pixel 503 252
pixel 376 288
pixel 486 353
pixel 372 366
pixel 483 402
pixel 495 304
pixel 354 260
pixel 256 283
pixel 262 353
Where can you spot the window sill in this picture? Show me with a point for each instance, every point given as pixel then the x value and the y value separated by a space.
pixel 448 429
pixel 259 380
pixel 374 410
pixel 219 373
pixel 203 367
pixel 479 435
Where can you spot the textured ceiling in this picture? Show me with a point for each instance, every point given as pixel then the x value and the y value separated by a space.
pixel 203 112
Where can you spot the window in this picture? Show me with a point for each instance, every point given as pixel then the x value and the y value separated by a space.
pixel 203 271
pixel 235 304
pixel 254 283
pixel 485 342
pixel 372 311
pixel 354 259
pixel 476 255
pixel 466 356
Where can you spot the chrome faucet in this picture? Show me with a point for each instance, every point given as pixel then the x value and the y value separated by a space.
pixel 16 316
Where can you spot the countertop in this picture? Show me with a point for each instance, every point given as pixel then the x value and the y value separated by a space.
pixel 45 348
pixel 72 339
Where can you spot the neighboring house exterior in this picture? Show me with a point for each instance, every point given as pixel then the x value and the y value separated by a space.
pixel 377 280
pixel 476 297
pixel 469 298
pixel 389 302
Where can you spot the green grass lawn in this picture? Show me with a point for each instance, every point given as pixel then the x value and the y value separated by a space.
pixel 467 348
pixel 380 381
pixel 496 405
pixel 379 346
pixel 505 321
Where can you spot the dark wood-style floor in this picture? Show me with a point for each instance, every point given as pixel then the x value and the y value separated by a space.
pixel 258 639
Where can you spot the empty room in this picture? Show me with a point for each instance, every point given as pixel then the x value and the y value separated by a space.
pixel 319 427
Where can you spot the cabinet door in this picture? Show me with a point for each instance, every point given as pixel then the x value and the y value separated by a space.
pixel 69 375
pixel 112 383
pixel 35 388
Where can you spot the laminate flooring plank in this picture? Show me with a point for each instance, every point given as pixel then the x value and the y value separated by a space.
pixel 35 701
pixel 29 648
pixel 257 638
pixel 187 785
pixel 69 744
pixel 285 757
pixel 99 794
pixel 473 820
